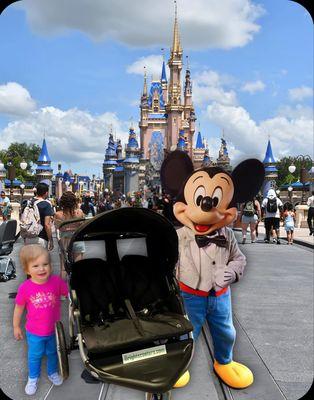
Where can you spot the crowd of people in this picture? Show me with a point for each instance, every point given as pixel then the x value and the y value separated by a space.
pixel 41 292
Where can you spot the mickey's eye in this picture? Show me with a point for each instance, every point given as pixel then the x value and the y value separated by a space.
pixel 199 194
pixel 217 196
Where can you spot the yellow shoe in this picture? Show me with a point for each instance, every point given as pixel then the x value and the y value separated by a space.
pixel 183 380
pixel 234 374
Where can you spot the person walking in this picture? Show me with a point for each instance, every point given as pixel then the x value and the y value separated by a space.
pixel 87 207
pixel 68 210
pixel 250 215
pixel 272 207
pixel 40 296
pixel 289 220
pixel 310 215
pixel 5 206
pixel 46 213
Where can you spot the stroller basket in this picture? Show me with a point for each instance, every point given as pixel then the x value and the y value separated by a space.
pixel 130 321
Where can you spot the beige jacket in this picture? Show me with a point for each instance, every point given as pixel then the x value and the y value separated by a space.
pixel 197 267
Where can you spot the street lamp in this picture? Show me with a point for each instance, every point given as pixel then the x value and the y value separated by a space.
pixel 303 173
pixel 290 188
pixel 278 192
pixel 67 184
pixel 22 187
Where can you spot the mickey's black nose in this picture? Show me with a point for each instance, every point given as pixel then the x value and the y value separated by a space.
pixel 207 203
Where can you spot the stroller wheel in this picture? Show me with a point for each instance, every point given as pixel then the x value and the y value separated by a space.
pixel 62 350
pixel 158 396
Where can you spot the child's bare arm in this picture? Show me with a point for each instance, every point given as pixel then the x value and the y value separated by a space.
pixel 17 316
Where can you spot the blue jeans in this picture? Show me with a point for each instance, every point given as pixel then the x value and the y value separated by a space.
pixel 38 346
pixel 218 313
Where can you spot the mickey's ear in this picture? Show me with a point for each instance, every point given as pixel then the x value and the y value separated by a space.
pixel 248 178
pixel 174 170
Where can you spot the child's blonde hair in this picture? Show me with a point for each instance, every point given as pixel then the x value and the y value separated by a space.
pixel 30 252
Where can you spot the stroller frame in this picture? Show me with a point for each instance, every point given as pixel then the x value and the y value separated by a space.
pixel 152 372
pixel 7 239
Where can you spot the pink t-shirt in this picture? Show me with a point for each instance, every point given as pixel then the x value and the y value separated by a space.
pixel 42 302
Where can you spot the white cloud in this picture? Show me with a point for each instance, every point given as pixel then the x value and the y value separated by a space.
pixel 300 93
pixel 73 136
pixel 15 99
pixel 208 86
pixel 203 23
pixel 290 134
pixel 153 64
pixel 252 87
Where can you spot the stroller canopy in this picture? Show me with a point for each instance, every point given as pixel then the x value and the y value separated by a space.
pixel 155 232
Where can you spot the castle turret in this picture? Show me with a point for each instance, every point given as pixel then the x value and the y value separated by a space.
pixel 164 83
pixel 44 171
pixel 271 171
pixel 131 164
pixel 223 159
pixel 207 162
pixel 110 163
pixel 188 113
pixel 198 151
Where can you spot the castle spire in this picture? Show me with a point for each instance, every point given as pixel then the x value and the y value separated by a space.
pixel 176 46
pixel 145 83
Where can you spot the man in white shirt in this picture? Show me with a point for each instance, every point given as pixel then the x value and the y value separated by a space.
pixel 272 207
pixel 5 206
pixel 310 215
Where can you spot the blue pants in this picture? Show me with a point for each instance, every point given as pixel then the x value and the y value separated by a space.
pixel 218 313
pixel 38 346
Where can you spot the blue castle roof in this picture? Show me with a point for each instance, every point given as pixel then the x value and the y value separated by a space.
pixel 163 73
pixel 199 142
pixel 132 139
pixel 156 86
pixel 44 156
pixel 269 158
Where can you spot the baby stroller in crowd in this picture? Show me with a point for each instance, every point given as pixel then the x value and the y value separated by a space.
pixel 126 314
pixel 7 239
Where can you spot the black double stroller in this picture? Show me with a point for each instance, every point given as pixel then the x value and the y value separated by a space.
pixel 126 313
pixel 7 239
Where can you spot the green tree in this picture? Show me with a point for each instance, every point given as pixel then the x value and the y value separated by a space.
pixel 18 152
pixel 284 176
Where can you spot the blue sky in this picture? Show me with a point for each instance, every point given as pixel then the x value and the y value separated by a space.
pixel 70 73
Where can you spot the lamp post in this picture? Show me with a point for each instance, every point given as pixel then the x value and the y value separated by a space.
pixel 278 192
pixel 303 173
pixel 22 187
pixel 290 189
pixel 67 184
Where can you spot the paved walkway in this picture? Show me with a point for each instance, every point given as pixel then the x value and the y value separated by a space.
pixel 273 312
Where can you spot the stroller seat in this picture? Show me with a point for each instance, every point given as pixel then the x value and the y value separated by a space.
pixel 116 315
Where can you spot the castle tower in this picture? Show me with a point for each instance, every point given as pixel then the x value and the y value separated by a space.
pixel 174 107
pixel 109 163
pixel 164 83
pixel 271 172
pixel 207 162
pixel 131 164
pixel 198 151
pixel 189 118
pixel 223 159
pixel 44 171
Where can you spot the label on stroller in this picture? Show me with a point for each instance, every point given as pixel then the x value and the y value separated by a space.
pixel 144 354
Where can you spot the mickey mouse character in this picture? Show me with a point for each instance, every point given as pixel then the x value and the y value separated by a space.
pixel 209 256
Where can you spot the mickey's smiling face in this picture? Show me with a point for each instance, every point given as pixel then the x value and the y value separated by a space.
pixel 207 199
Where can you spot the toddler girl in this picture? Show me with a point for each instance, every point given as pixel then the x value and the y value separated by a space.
pixel 289 217
pixel 40 295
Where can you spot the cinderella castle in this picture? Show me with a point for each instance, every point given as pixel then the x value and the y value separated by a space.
pixel 167 122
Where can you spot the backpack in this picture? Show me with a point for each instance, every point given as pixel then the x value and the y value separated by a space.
pixel 30 225
pixel 248 209
pixel 272 205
